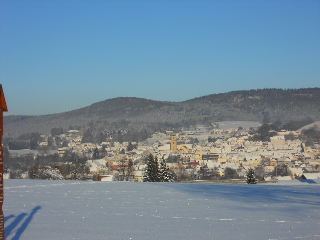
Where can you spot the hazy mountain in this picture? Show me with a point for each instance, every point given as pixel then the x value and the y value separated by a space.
pixel 252 105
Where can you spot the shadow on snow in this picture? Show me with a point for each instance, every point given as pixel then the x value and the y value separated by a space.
pixel 308 195
pixel 10 229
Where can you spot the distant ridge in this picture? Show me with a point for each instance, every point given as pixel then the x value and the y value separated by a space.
pixel 249 105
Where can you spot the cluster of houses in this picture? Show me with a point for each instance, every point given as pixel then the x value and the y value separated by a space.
pixel 230 148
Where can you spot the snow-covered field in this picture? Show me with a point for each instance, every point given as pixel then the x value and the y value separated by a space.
pixel 44 210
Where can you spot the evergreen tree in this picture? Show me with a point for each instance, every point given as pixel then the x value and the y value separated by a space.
pixel 164 174
pixel 131 147
pixel 152 172
pixel 251 179
pixel 95 154
pixel 155 172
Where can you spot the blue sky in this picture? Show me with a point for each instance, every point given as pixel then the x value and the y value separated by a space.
pixel 60 55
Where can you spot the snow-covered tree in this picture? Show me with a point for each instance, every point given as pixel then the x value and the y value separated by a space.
pixel 79 171
pixel 164 174
pixel 251 179
pixel 152 171
pixel 45 172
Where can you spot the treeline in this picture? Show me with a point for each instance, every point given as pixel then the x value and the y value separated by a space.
pixel 59 171
pixel 32 141
pixel 24 141
pixel 311 136
pixel 71 165
pixel 268 95
pixel 131 135
pixel 97 132
pixel 295 125
pixel 267 130
pixel 124 131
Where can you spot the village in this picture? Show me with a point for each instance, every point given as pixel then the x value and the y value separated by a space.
pixel 203 153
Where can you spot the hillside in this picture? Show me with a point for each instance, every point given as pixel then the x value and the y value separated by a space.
pixel 136 113
pixel 315 124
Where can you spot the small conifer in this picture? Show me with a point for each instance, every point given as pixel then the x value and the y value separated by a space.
pixel 251 179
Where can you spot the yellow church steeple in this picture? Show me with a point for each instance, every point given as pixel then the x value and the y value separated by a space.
pixel 173 146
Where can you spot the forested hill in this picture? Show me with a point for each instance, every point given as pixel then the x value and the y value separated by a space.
pixel 290 104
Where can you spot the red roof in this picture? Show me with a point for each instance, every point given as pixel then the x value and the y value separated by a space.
pixel 195 163
pixel 118 166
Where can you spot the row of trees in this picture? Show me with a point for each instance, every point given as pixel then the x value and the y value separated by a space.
pixel 130 135
pixel 25 141
pixel 154 173
pixel 71 165
pixel 60 171
pixel 309 136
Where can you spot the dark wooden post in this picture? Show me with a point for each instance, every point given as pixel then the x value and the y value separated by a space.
pixel 3 108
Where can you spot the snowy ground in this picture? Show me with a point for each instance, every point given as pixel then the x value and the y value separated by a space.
pixel 44 210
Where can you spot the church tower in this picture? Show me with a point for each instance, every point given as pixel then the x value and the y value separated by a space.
pixel 173 146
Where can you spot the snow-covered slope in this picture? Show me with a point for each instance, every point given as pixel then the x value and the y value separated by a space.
pixel 45 210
